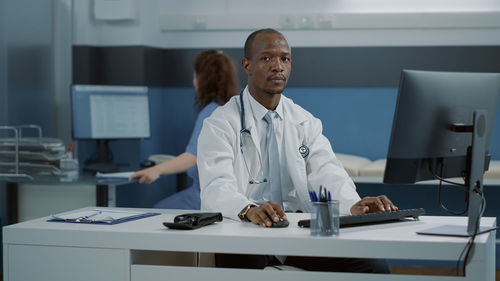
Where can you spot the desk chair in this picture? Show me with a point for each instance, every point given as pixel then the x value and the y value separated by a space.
pixel 208 260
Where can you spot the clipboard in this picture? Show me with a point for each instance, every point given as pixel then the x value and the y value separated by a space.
pixel 101 216
pixel 113 177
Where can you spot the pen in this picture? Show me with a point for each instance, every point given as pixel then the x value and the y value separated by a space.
pixel 85 218
pixel 313 196
pixel 324 209
pixel 324 195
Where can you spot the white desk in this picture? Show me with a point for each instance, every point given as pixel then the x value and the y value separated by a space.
pixel 143 249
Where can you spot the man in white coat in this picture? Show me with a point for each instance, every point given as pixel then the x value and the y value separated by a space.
pixel 239 174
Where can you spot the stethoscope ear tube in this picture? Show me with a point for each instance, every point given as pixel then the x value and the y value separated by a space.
pixel 242 117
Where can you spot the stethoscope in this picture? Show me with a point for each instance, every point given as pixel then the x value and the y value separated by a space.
pixel 303 149
pixel 245 133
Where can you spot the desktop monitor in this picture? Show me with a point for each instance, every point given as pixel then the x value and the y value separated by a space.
pixel 104 113
pixel 441 129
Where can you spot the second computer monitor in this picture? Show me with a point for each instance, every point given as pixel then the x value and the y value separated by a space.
pixel 431 109
pixel 110 112
pixel 104 113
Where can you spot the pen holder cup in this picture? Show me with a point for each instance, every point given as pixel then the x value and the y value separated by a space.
pixel 325 218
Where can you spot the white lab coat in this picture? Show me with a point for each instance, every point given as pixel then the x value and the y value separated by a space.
pixel 224 177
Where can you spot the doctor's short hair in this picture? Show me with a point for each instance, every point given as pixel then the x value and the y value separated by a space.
pixel 217 77
pixel 251 38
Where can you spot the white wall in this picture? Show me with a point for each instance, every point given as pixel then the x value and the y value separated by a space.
pixel 227 23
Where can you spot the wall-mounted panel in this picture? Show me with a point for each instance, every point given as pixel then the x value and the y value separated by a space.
pixel 3 65
pixel 30 64
pixel 311 67
pixel 110 66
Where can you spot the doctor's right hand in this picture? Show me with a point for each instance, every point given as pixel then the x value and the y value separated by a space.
pixel 266 213
pixel 148 175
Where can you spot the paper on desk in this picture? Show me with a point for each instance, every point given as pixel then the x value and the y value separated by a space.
pixel 114 176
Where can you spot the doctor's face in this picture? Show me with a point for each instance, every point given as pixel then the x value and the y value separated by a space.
pixel 269 65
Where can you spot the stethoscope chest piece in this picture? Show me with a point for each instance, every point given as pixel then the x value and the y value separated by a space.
pixel 304 150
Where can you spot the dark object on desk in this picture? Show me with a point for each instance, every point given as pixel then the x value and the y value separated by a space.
pixel 280 223
pixel 147 164
pixel 182 181
pixel 102 160
pixel 193 220
pixel 373 218
pixel 100 168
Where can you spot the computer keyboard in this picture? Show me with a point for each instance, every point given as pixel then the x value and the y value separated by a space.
pixel 374 218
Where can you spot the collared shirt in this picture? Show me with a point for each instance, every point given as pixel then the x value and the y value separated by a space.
pixel 262 192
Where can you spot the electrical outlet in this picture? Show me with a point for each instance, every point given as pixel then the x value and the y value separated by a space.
pixel 287 21
pixel 200 22
pixel 325 21
pixel 305 22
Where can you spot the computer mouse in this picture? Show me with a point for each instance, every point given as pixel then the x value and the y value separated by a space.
pixel 280 223
pixel 147 164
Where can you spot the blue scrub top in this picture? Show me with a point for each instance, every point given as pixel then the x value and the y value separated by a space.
pixel 189 198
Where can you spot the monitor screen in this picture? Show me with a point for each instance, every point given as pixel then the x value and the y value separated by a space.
pixel 110 112
pixel 423 142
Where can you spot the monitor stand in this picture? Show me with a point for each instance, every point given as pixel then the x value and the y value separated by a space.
pixel 453 230
pixel 473 181
pixel 103 163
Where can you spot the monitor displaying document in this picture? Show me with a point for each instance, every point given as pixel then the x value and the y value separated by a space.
pixel 110 112
pixel 105 113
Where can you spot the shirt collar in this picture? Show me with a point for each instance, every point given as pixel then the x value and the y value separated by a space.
pixel 259 111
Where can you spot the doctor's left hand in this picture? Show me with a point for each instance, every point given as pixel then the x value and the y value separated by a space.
pixel 266 213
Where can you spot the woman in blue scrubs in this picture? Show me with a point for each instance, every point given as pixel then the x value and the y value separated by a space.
pixel 215 82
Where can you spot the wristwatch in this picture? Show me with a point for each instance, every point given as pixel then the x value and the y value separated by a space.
pixel 243 213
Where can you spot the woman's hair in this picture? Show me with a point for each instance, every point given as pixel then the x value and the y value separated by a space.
pixel 216 76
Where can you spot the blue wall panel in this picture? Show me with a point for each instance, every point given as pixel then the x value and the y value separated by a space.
pixel 172 120
pixel 355 120
pixel 359 120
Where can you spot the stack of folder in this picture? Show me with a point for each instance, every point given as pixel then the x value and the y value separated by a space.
pixel 22 156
